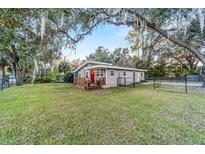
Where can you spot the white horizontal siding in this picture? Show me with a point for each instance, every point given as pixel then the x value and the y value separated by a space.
pixel 112 80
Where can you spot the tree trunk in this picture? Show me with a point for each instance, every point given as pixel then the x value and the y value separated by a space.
pixel 34 75
pixel 17 74
pixel 3 75
pixel 16 69
pixel 18 77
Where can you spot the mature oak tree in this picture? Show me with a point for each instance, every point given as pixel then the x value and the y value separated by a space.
pixel 153 19
pixel 69 26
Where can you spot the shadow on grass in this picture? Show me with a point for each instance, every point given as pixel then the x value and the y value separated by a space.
pixel 171 91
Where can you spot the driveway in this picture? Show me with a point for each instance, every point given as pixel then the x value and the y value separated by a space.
pixel 189 84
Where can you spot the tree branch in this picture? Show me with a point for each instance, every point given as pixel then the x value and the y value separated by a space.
pixel 161 32
pixel 78 37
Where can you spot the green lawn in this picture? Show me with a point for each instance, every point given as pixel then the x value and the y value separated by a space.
pixel 63 114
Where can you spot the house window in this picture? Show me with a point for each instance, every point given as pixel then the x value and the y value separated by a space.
pixel 136 74
pixel 119 74
pixel 102 72
pixel 124 73
pixel 112 73
pixel 141 74
pixel 86 74
pixel 79 75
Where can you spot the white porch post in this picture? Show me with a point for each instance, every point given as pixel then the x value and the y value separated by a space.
pixel 106 76
pixel 99 73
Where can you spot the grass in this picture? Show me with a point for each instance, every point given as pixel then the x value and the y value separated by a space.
pixel 64 114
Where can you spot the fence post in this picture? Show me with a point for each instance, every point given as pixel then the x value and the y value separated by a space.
pixel 185 79
pixel 154 82
pixel 8 82
pixel 133 79
pixel 2 84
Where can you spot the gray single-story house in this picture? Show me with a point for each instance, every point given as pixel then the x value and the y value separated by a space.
pixel 110 75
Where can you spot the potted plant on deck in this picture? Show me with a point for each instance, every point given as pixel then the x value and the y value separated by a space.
pixel 87 83
pixel 99 82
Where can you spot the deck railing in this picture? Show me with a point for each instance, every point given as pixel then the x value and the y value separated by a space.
pixel 85 82
pixel 80 81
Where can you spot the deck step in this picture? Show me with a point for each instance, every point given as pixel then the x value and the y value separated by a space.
pixel 93 87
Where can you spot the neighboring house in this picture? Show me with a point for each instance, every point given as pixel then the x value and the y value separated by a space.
pixel 111 76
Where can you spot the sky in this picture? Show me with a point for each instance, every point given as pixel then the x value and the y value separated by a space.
pixel 108 36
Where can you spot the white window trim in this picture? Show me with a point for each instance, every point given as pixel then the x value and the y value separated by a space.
pixel 125 73
pixel 86 74
pixel 111 73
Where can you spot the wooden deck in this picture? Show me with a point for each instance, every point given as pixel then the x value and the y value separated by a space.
pixel 93 86
pixel 81 82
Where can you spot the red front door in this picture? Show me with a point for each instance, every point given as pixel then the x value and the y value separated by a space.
pixel 92 77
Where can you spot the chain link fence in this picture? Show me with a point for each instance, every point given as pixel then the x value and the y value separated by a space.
pixel 185 84
pixel 7 82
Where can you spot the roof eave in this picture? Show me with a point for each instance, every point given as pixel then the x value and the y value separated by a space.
pixel 118 68
pixel 91 62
